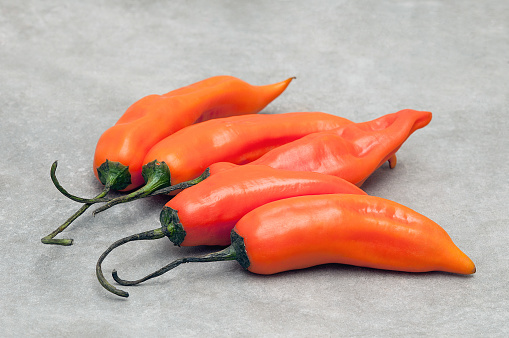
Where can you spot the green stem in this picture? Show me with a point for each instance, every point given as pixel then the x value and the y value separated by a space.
pixel 156 175
pixel 113 175
pixel 67 194
pixel 147 235
pixel 182 185
pixel 50 239
pixel 227 254
pixel 236 251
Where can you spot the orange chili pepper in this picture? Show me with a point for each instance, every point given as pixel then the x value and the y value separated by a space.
pixel 206 213
pixel 120 151
pixel 185 154
pixel 152 119
pixel 360 230
pixel 352 152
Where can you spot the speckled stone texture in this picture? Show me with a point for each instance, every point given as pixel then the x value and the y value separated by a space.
pixel 69 69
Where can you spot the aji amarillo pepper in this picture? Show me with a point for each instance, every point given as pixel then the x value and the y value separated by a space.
pixel 120 151
pixel 185 154
pixel 304 231
pixel 141 128
pixel 206 213
pixel 352 152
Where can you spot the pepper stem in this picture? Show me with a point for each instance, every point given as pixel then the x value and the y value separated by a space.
pixel 392 161
pixel 156 175
pixel 227 254
pixel 50 239
pixel 112 179
pixel 182 185
pixel 113 175
pixel 147 235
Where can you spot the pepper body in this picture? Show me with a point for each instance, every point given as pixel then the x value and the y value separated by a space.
pixel 237 139
pixel 208 211
pixel 360 230
pixel 352 152
pixel 154 117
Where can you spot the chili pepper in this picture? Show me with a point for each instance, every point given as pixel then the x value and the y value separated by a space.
pixel 352 152
pixel 206 213
pixel 305 231
pixel 239 139
pixel 142 128
pixel 120 151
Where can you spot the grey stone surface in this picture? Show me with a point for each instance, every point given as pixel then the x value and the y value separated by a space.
pixel 69 69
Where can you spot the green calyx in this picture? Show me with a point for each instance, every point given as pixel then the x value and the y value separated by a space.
pixel 114 175
pixel 237 243
pixel 171 226
pixel 156 175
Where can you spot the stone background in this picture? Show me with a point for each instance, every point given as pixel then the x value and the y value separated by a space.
pixel 69 70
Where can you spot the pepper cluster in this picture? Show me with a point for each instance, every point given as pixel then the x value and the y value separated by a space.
pixel 278 191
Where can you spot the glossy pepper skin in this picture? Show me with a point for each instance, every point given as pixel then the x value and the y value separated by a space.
pixel 365 231
pixel 304 231
pixel 120 151
pixel 154 117
pixel 185 155
pixel 238 139
pixel 352 152
pixel 206 213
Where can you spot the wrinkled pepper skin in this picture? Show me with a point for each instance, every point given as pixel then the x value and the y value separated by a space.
pixel 237 139
pixel 207 212
pixel 352 152
pixel 360 230
pixel 154 117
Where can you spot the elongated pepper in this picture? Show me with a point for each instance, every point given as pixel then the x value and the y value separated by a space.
pixel 155 117
pixel 206 213
pixel 352 152
pixel 239 139
pixel 121 149
pixel 360 230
